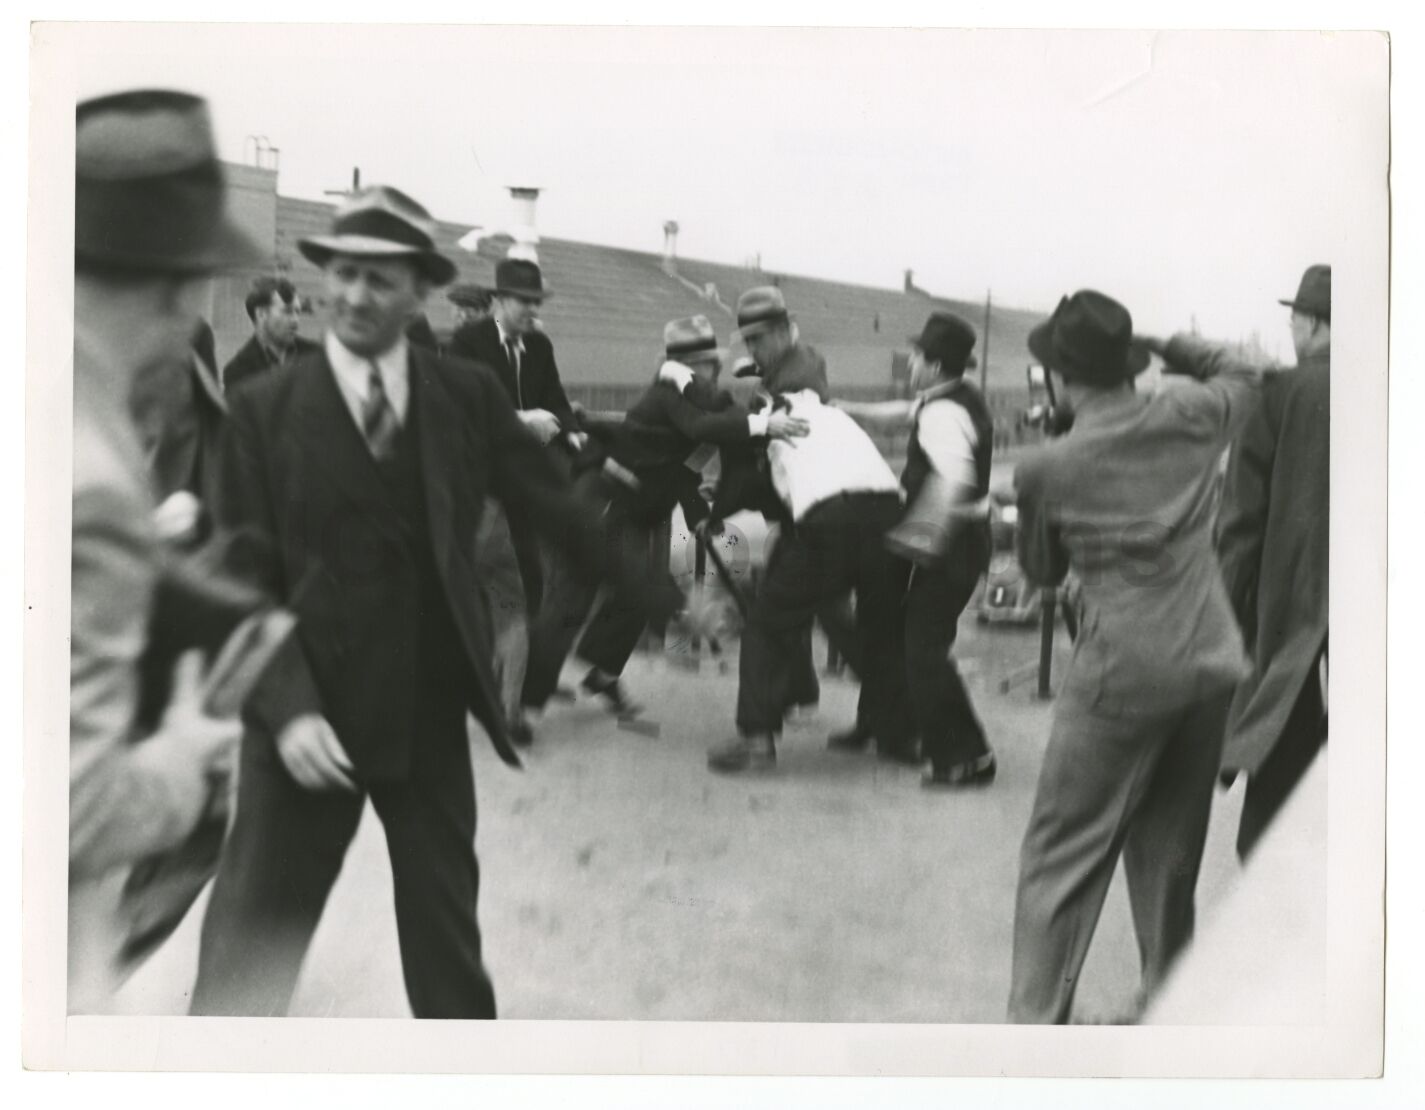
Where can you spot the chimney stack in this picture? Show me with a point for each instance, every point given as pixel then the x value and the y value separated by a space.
pixel 910 281
pixel 670 246
pixel 524 229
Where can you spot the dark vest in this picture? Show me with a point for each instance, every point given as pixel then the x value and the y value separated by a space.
pixel 440 664
pixel 917 462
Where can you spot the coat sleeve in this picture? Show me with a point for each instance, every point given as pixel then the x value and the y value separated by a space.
pixel 1227 385
pixel 524 475
pixel 1039 544
pixel 1242 525
pixel 727 426
pixel 127 800
pixel 552 396
pixel 287 689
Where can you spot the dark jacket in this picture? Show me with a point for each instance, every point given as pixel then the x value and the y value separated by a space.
pixel 1274 544
pixel 179 411
pixel 660 431
pixel 537 385
pixel 253 361
pixel 328 542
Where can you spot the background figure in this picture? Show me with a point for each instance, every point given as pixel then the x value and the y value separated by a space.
pixel 645 475
pixel 149 227
pixel 510 342
pixel 472 304
pixel 276 313
pixel 1275 546
pixel 1125 500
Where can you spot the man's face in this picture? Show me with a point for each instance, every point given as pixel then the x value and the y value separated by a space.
pixel 708 369
pixel 766 347
pixel 518 314
pixel 1307 333
pixel 923 374
pixel 277 321
pixel 370 300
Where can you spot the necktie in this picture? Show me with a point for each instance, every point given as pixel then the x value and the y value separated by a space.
pixel 378 418
pixel 512 352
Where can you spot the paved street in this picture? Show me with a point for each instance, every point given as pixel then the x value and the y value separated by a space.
pixel 622 880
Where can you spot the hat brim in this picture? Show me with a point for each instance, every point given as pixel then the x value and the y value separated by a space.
pixel 970 360
pixel 319 248
pixel 1041 346
pixel 522 291
pixel 709 354
pixel 757 327
pixel 228 247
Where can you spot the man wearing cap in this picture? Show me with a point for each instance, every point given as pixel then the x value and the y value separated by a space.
pixel 149 227
pixel 361 479
pixel 1274 543
pixel 275 311
pixel 944 537
pixel 1125 499
pixel 645 475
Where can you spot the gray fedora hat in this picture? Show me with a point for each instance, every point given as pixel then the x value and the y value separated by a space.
pixel 381 222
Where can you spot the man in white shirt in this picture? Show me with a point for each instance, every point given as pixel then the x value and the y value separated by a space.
pixel 842 497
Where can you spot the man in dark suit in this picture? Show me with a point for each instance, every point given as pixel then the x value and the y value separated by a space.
pixel 362 478
pixel 1275 545
pixel 276 313
pixel 645 474
pixel 510 342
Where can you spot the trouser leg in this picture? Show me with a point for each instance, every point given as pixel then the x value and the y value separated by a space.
pixel 283 854
pixel 430 834
pixel 950 730
pixel 619 621
pixel 1162 852
pixel 1095 771
pixel 1269 786
pixel 884 703
pixel 552 636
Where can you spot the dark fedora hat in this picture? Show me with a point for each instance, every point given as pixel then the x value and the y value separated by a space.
pixel 381 222
pixel 691 339
pixel 948 340
pixel 149 192
pixel 760 308
pixel 1314 294
pixel 1089 339
pixel 519 277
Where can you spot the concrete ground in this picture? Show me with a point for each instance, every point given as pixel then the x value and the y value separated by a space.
pixel 621 879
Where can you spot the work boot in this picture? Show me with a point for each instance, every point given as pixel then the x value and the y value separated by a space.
pixel 610 689
pixel 853 739
pixel 745 753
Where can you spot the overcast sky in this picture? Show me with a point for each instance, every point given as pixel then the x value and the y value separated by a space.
pixel 1188 174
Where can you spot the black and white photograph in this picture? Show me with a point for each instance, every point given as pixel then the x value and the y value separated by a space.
pixel 759 549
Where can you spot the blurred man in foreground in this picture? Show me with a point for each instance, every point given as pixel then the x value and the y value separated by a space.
pixel 149 228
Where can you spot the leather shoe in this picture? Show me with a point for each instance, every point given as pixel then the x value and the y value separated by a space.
pixel 609 688
pixel 745 753
pixel 853 739
pixel 973 772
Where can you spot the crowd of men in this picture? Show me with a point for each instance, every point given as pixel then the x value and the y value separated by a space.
pixel 294 579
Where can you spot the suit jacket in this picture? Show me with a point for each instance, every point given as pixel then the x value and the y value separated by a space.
pixel 252 361
pixel 1127 500
pixel 329 542
pixel 660 431
pixel 537 386
pixel 179 409
pixel 1274 543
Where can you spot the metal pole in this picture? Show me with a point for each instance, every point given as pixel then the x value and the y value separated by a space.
pixel 985 361
pixel 1048 603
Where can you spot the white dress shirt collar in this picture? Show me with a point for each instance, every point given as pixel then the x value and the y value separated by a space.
pixel 506 338
pixel 353 375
